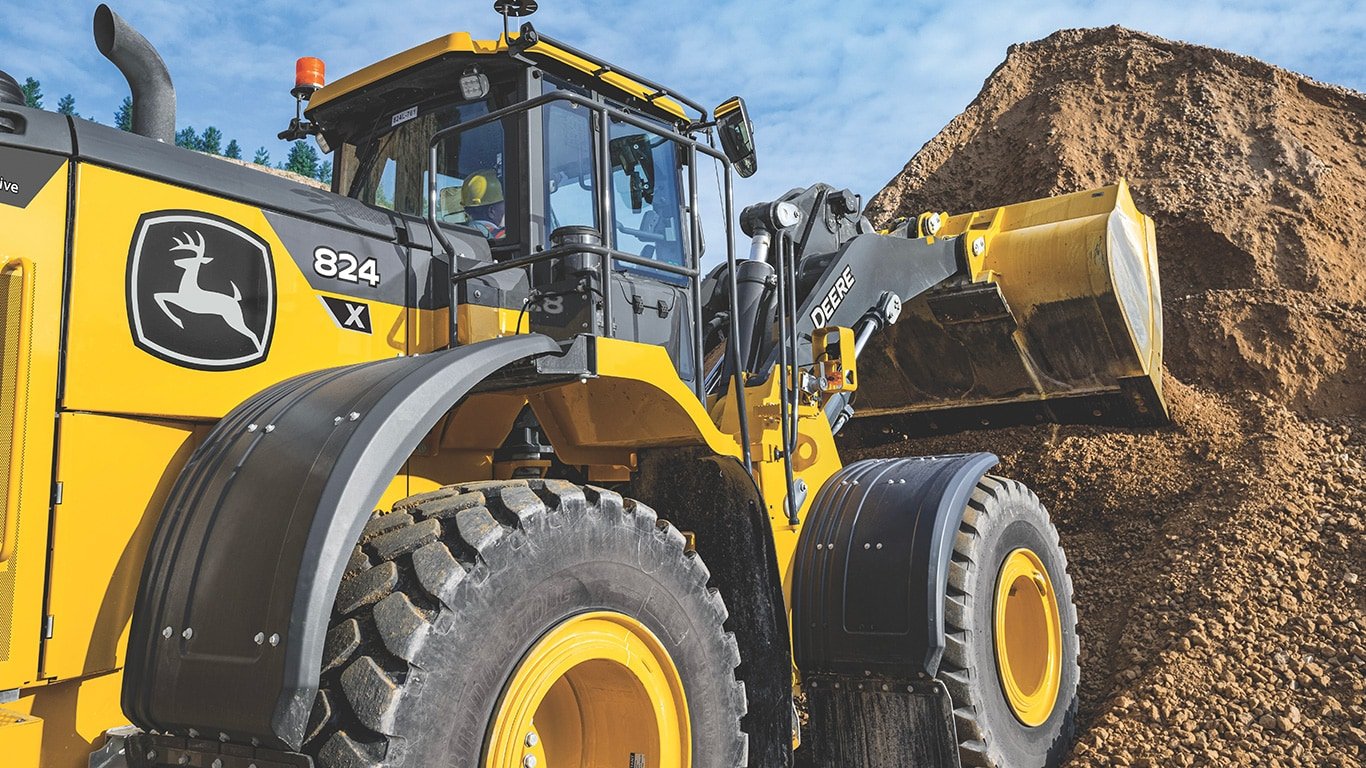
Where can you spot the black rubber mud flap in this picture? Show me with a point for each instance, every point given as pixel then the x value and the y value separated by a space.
pixel 240 578
pixel 868 609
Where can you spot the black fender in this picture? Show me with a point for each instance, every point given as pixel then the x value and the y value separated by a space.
pixel 716 500
pixel 239 581
pixel 872 565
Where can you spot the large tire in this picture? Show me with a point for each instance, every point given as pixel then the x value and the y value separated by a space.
pixel 1004 518
pixel 446 595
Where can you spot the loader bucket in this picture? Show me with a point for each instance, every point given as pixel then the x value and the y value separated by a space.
pixel 1058 318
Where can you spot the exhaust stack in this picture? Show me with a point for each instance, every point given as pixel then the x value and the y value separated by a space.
pixel 153 93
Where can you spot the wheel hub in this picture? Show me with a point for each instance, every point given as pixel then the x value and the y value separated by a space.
pixel 598 689
pixel 1028 634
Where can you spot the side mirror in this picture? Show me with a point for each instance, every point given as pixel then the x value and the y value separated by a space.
pixel 737 135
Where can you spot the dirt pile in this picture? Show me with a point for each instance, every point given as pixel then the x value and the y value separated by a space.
pixel 1219 562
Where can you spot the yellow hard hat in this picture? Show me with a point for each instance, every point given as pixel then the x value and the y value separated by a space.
pixel 481 188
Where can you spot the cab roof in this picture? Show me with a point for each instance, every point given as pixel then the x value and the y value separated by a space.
pixel 607 77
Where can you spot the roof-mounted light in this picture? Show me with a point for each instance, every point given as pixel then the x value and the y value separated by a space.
pixel 474 84
pixel 310 74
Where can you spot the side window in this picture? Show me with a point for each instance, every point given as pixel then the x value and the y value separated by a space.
pixel 646 194
pixel 569 198
pixel 391 168
pixel 471 176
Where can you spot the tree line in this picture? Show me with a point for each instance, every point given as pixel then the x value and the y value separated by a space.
pixel 303 158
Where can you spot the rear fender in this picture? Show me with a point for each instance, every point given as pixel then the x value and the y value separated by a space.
pixel 872 565
pixel 240 578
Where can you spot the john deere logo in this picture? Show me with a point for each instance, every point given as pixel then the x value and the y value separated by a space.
pixel 201 291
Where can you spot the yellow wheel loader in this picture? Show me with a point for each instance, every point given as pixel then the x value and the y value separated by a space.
pixel 468 461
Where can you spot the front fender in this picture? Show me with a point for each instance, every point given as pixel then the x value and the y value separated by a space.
pixel 240 577
pixel 873 561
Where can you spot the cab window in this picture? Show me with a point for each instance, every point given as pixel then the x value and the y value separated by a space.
pixel 569 196
pixel 646 194
pixel 391 167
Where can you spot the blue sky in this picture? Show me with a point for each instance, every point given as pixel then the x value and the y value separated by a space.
pixel 843 92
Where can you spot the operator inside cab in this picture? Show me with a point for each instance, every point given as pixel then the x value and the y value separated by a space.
pixel 482 198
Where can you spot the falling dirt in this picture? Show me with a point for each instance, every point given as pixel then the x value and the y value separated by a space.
pixel 1219 561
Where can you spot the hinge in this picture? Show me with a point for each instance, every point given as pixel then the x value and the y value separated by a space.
pixel 47 627
pixel 57 493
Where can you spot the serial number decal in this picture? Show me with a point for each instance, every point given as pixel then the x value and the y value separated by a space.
pixel 820 316
pixel 403 117
pixel 343 265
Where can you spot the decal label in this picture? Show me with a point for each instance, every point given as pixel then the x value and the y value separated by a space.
pixel 23 174
pixel 200 291
pixel 403 117
pixel 820 316
pixel 349 315
pixel 343 265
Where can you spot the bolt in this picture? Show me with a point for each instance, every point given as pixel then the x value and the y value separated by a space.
pixel 354 415
pixel 251 427
pixel 866 545
pixel 217 763
pixel 275 639
pixel 167 632
pixel 184 760
pixel 337 420
pixel 979 245
pixel 531 739
pixel 260 637
pixel 529 761
pixel 222 736
pixel 879 545
pixel 933 223
pixel 270 427
pixel 193 733
pixel 151 754
pixel 188 633
pixel 819 547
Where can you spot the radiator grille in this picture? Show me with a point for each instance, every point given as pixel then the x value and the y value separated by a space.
pixel 11 302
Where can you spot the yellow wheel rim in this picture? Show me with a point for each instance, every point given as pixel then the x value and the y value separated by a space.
pixel 1028 634
pixel 599 689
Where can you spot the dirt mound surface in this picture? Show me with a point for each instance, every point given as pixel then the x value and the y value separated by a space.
pixel 1220 561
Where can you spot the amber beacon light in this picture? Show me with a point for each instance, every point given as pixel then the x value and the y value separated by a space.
pixel 310 74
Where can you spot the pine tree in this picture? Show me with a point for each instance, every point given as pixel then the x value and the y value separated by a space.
pixel 67 106
pixel 262 156
pixel 303 160
pixel 325 172
pixel 211 141
pixel 187 138
pixel 233 150
pixel 33 93
pixel 123 117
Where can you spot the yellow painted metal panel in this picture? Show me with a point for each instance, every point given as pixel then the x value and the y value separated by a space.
pixel 75 715
pixel 21 739
pixel 108 373
pixel 35 234
pixel 116 474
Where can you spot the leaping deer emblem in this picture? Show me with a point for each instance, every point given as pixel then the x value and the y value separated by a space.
pixel 193 298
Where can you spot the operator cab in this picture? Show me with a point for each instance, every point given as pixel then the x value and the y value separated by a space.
pixel 497 148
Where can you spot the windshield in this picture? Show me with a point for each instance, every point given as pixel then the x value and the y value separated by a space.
pixel 391 167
